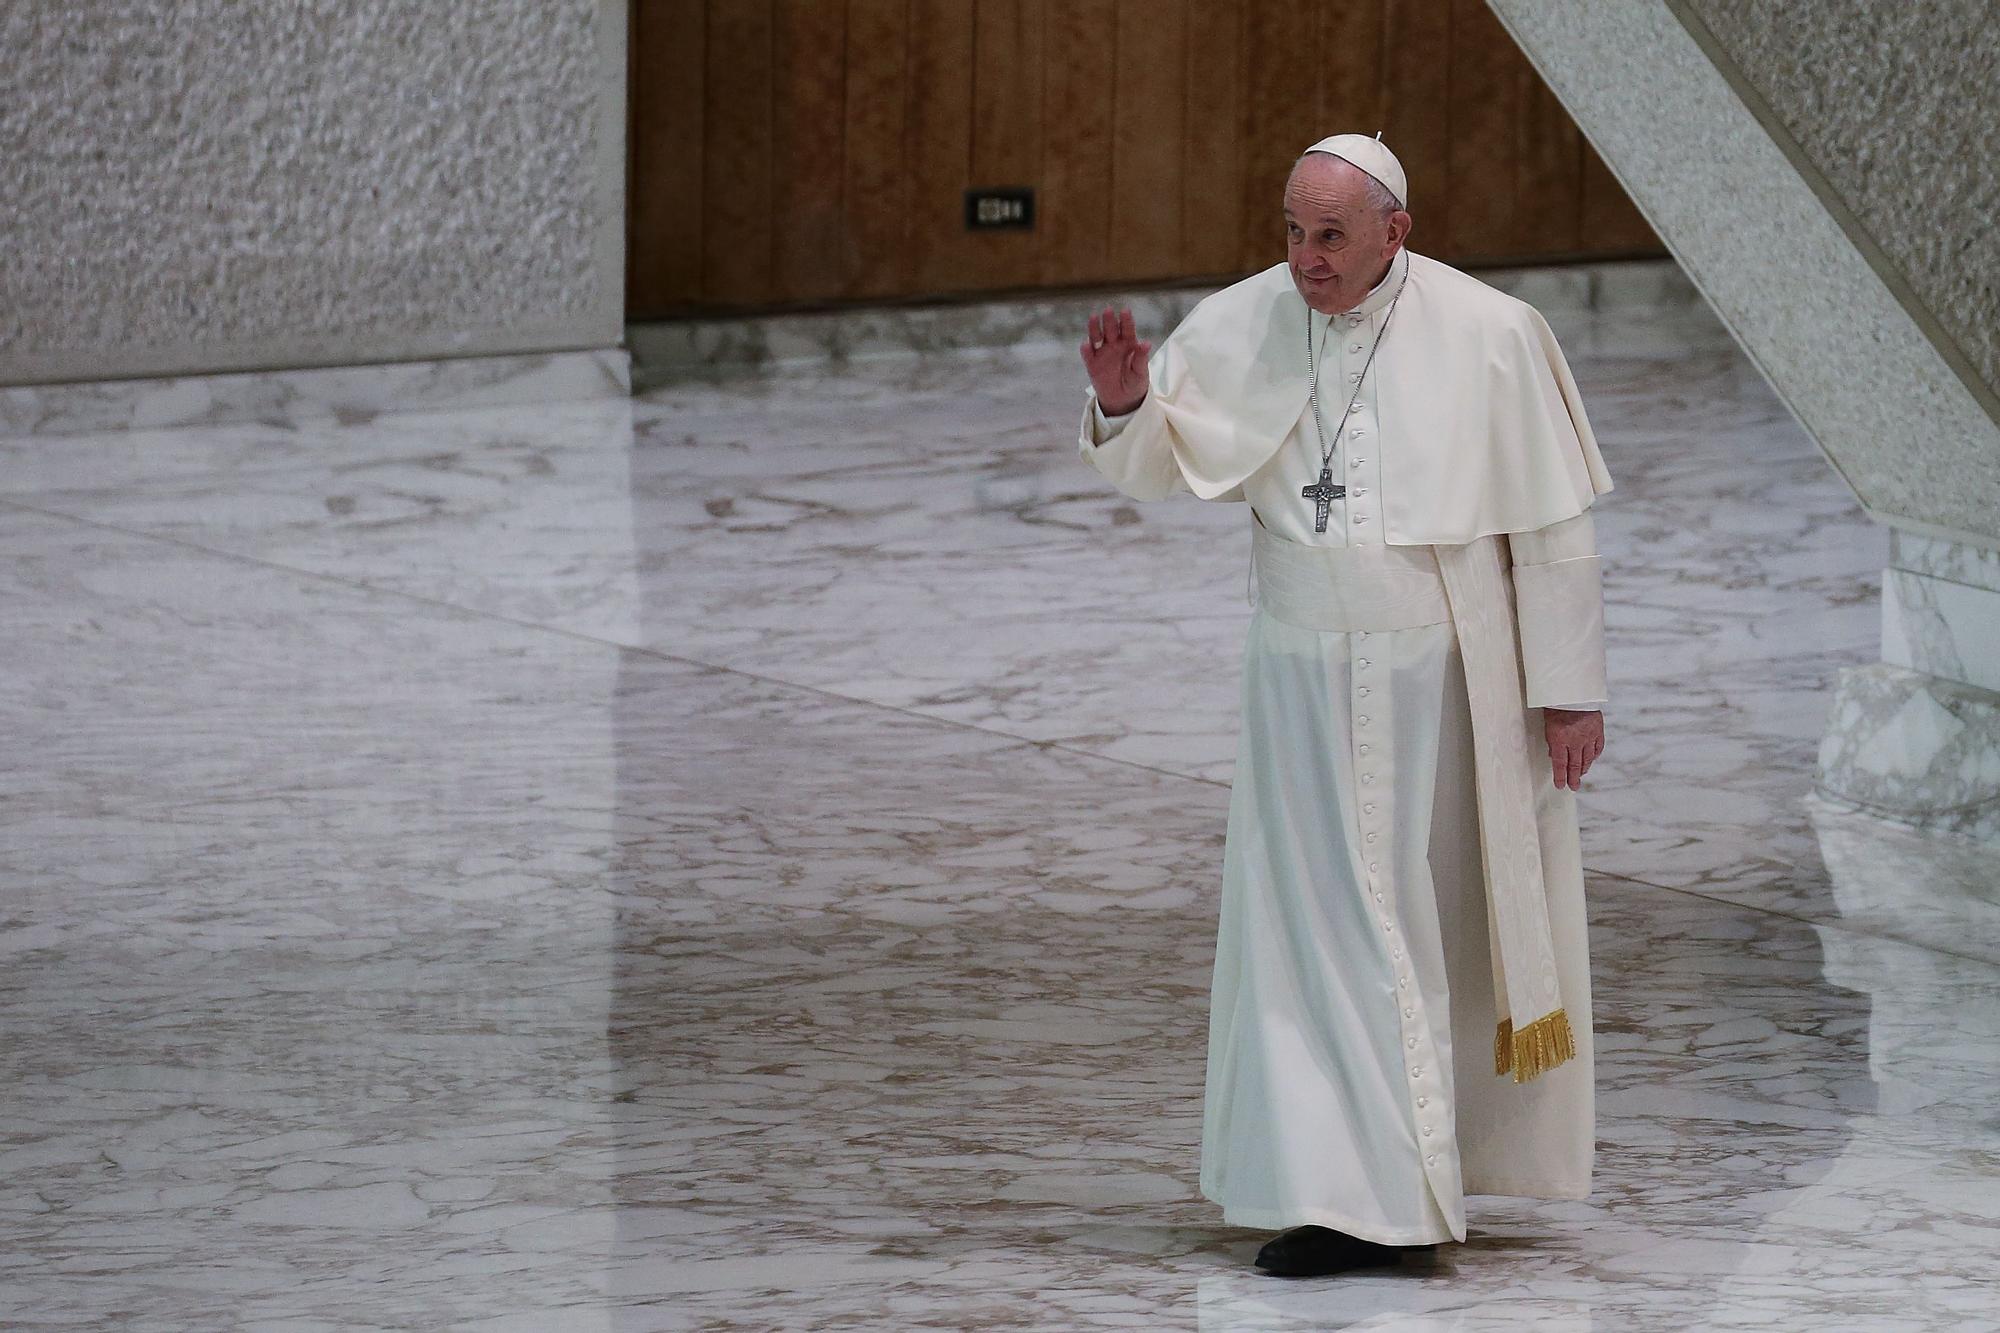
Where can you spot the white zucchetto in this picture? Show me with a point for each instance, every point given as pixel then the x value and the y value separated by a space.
pixel 1373 157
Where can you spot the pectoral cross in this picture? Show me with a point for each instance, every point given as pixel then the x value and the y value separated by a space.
pixel 1324 494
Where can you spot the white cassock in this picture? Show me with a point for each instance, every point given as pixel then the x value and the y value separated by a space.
pixel 1350 1082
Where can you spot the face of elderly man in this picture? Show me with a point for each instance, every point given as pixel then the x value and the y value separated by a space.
pixel 1338 240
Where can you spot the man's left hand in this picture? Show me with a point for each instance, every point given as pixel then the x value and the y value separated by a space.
pixel 1576 738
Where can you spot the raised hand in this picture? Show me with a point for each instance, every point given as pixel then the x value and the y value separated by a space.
pixel 1576 738
pixel 1116 360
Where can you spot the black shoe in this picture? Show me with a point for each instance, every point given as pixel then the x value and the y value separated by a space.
pixel 1311 1251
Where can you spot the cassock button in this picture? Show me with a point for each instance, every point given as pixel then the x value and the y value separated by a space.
pixel 1397 954
pixel 1371 837
pixel 1360 490
pixel 1353 408
pixel 1378 897
pixel 1364 661
pixel 1373 867
pixel 1423 1101
pixel 1361 518
pixel 1370 807
pixel 1406 1014
pixel 1363 720
pixel 1412 1043
pixel 1354 347
pixel 1354 378
pixel 1356 434
pixel 1427 1131
pixel 1416 1071
pixel 1432 1160
pixel 1356 462
pixel 1364 749
pixel 1362 690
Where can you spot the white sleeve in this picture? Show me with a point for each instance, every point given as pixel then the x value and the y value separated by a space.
pixel 1559 603
pixel 1103 424
pixel 1131 450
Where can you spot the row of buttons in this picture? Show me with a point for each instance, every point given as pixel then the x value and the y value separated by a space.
pixel 1371 832
pixel 1355 427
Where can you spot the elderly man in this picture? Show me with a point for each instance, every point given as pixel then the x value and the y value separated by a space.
pixel 1402 892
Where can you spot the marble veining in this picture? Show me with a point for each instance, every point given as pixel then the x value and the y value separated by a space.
pixel 745 858
pixel 1915 748
pixel 1942 628
pixel 1952 561
pixel 1941 609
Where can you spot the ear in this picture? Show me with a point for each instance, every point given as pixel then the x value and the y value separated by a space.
pixel 1399 226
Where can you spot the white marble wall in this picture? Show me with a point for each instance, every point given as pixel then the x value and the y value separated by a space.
pixel 1941 609
pixel 1918 737
pixel 1915 748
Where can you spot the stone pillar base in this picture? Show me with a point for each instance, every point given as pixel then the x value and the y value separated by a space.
pixel 1914 748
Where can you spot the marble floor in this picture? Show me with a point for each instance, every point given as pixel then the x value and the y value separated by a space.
pixel 746 858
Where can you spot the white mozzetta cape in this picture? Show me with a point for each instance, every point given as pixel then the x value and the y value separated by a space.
pixel 1481 427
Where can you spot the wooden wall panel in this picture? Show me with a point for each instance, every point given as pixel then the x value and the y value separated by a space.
pixel 737 149
pixel 790 153
pixel 1417 38
pixel 1077 111
pixel 1212 140
pixel 1149 105
pixel 1611 221
pixel 1007 58
pixel 663 242
pixel 808 148
pixel 1352 62
pixel 876 178
pixel 1282 79
pixel 1482 147
pixel 1549 182
pixel 940 255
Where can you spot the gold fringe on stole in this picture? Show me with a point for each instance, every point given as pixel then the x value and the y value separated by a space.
pixel 1536 1048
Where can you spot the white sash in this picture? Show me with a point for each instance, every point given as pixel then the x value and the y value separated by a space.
pixel 1401 587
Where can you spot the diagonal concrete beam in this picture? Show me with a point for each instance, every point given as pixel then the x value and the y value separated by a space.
pixel 1894 398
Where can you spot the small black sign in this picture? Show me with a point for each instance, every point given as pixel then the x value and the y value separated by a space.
pixel 1000 210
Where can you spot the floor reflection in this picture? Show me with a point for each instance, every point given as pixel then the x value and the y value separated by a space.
pixel 746 859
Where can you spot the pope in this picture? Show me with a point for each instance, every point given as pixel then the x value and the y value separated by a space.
pixel 1400 1008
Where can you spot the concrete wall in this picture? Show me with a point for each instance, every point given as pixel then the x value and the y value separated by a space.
pixel 1895 109
pixel 1840 319
pixel 216 185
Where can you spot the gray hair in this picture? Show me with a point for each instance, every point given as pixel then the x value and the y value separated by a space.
pixel 1379 197
pixel 1380 200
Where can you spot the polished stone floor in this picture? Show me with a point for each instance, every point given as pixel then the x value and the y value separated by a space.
pixel 746 859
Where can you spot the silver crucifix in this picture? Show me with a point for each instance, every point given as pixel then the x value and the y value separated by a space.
pixel 1323 494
